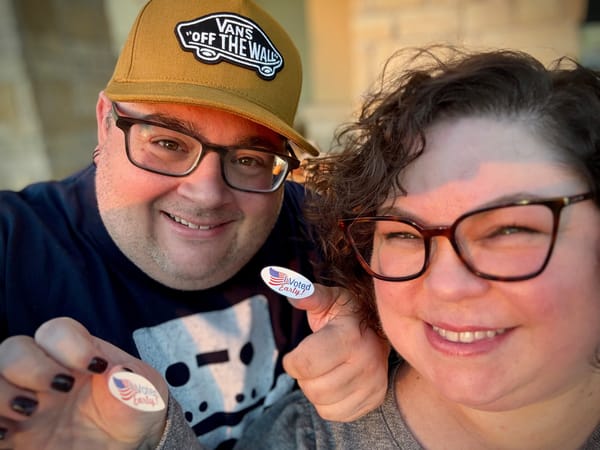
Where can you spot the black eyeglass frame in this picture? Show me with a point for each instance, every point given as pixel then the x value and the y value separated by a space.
pixel 555 204
pixel 125 123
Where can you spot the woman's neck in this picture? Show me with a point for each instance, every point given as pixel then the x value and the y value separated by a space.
pixel 562 422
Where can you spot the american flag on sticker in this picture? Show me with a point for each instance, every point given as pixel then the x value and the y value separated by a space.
pixel 135 391
pixel 276 278
pixel 125 389
pixel 287 282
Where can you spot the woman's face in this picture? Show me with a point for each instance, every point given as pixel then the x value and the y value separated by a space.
pixel 528 340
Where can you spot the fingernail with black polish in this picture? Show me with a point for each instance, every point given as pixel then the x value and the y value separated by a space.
pixel 3 432
pixel 62 382
pixel 24 405
pixel 97 365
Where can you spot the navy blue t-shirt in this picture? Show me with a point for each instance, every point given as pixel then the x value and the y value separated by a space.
pixel 219 349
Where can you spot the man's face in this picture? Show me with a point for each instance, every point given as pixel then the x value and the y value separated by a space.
pixel 191 232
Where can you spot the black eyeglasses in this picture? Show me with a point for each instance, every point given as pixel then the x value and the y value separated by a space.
pixel 159 149
pixel 507 242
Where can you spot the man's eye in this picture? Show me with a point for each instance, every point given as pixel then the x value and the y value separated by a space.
pixel 249 161
pixel 170 145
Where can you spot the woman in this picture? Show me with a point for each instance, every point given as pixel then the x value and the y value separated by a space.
pixel 470 229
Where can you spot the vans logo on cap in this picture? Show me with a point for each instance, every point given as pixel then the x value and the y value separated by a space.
pixel 230 37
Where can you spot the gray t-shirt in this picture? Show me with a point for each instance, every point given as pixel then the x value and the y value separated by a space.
pixel 293 423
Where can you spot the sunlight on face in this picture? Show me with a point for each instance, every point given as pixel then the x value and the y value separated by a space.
pixel 495 345
pixel 192 232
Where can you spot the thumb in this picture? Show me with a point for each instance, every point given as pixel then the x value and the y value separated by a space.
pixel 322 306
pixel 132 381
pixel 131 397
pixel 129 405
pixel 133 390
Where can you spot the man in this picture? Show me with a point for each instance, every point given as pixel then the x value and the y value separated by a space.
pixel 157 250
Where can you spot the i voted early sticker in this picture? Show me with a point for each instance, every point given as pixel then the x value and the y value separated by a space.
pixel 135 391
pixel 287 282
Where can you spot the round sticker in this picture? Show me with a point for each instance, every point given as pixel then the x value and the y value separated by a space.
pixel 287 282
pixel 135 391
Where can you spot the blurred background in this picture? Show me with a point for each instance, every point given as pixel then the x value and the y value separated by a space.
pixel 56 55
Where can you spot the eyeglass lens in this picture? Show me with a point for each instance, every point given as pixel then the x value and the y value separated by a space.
pixel 172 153
pixel 506 242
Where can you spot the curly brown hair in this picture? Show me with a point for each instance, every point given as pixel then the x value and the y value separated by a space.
pixel 561 103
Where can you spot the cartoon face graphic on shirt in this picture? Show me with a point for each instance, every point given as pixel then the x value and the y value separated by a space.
pixel 220 367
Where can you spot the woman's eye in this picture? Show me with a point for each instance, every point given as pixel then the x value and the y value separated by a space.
pixel 509 230
pixel 401 236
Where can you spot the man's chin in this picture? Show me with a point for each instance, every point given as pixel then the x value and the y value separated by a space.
pixel 196 274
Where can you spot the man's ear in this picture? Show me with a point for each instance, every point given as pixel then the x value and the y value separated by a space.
pixel 103 107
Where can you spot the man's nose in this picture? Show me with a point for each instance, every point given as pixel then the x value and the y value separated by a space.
pixel 206 184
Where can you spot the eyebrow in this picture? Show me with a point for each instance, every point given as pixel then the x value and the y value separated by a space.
pixel 393 210
pixel 188 128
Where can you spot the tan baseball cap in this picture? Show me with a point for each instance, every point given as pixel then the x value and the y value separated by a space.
pixel 226 54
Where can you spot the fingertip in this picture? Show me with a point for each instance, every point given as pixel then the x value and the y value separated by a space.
pixel 97 365
pixel 24 405
pixel 312 304
pixel 59 325
pixel 297 303
pixel 69 344
pixel 117 369
pixel 62 382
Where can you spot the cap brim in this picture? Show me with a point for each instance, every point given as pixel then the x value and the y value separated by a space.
pixel 193 94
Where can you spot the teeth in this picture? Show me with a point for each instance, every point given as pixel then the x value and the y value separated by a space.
pixel 467 337
pixel 193 226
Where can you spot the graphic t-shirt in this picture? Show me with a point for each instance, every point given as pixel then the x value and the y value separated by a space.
pixel 219 349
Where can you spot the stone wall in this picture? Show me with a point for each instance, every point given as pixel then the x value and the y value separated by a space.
pixel 57 54
pixel 22 151
pixel 353 38
pixel 546 28
pixel 55 57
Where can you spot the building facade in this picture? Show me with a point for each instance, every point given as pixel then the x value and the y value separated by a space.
pixel 58 54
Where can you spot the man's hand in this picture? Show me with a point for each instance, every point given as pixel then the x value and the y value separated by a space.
pixel 54 393
pixel 342 366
